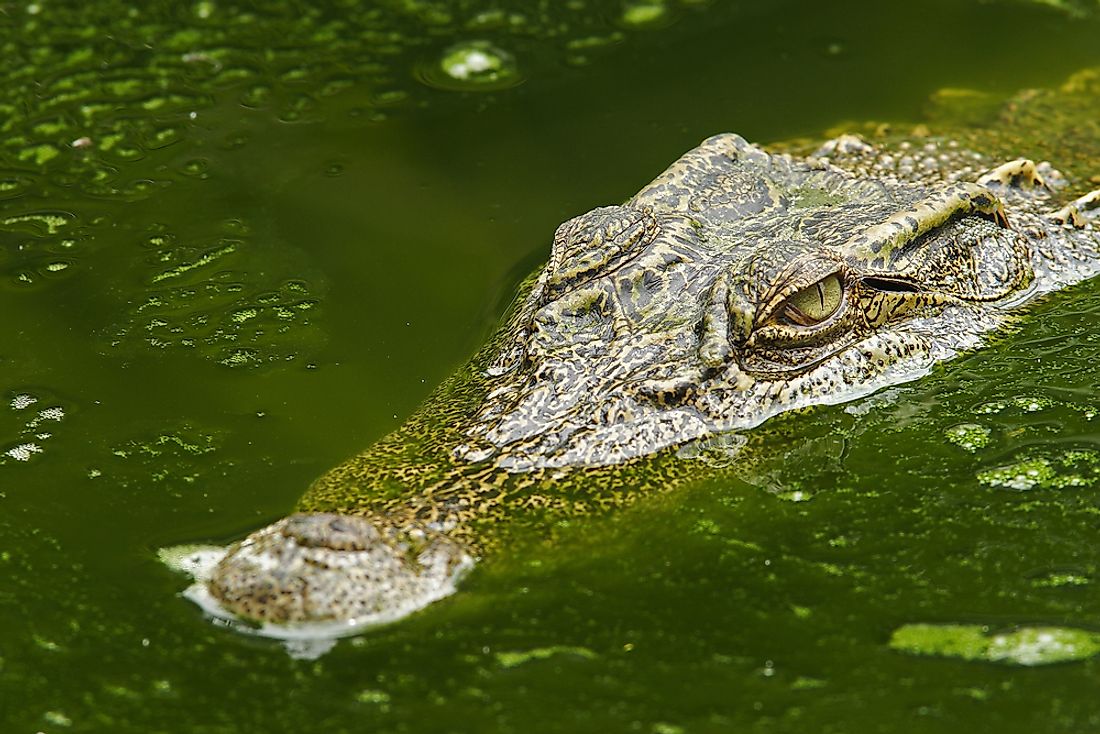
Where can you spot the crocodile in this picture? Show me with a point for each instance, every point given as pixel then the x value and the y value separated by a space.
pixel 741 283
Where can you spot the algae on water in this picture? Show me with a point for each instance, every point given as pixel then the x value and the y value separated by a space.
pixel 1022 646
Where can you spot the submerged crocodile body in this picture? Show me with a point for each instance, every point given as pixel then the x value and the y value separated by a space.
pixel 737 285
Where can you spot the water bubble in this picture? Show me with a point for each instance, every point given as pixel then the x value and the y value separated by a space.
pixel 472 66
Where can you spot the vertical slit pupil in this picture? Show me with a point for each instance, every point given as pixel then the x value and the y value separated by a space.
pixel 815 303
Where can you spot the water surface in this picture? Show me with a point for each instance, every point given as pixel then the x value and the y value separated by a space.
pixel 272 238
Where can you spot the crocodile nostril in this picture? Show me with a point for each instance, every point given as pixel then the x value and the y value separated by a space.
pixel 325 530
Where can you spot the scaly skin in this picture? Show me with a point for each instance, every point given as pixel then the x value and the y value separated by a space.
pixel 738 285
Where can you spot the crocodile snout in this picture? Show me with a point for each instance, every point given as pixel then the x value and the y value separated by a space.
pixel 326 567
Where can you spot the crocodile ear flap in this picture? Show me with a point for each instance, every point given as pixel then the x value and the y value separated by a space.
pixel 704 170
pixel 595 243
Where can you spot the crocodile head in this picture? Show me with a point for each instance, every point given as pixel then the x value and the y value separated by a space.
pixel 740 284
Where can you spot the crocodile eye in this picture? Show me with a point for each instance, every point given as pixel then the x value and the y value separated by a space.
pixel 811 306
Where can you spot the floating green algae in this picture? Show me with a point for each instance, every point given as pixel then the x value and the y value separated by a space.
pixel 474 66
pixel 220 301
pixel 1034 404
pixel 511 659
pixel 176 458
pixel 373 696
pixel 968 436
pixel 204 259
pixel 642 13
pixel 1023 475
pixel 1029 646
pixel 1075 468
pixel 47 222
pixel 28 422
pixel 1060 580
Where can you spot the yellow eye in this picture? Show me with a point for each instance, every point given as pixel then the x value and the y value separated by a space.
pixel 813 305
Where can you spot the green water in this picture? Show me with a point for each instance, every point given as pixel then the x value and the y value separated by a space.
pixel 279 239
